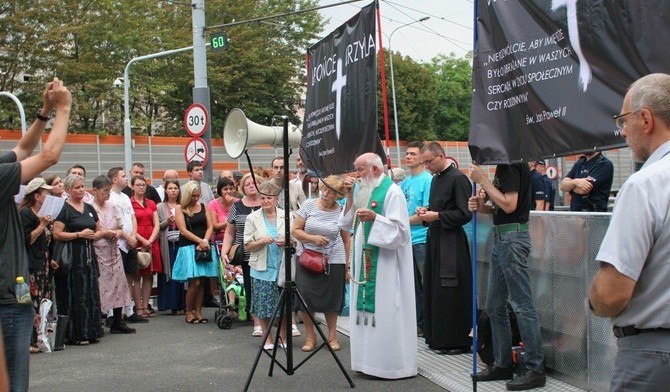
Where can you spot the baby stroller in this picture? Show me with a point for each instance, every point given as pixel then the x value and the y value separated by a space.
pixel 230 280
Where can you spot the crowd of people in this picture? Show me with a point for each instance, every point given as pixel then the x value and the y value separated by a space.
pixel 397 240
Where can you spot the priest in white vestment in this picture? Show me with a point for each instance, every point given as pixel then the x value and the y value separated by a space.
pixel 382 316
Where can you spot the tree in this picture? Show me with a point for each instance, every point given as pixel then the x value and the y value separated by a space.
pixel 416 98
pixel 454 79
pixel 88 44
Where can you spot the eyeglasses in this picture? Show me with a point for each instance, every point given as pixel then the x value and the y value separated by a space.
pixel 326 191
pixel 620 121
pixel 428 162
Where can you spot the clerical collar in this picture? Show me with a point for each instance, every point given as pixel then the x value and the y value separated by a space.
pixel 443 171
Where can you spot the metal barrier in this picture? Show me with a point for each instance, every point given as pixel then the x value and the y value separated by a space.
pixel 579 348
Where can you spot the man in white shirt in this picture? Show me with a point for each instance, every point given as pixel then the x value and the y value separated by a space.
pixel 302 171
pixel 128 241
pixel 631 285
pixel 168 175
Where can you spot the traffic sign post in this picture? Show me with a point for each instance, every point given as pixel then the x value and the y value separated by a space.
pixel 196 120
pixel 196 150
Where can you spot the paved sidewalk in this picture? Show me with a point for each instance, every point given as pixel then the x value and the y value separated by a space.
pixel 452 372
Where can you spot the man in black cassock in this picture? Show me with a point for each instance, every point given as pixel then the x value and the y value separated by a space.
pixel 447 279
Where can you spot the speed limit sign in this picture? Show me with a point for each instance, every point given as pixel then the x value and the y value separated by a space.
pixel 196 120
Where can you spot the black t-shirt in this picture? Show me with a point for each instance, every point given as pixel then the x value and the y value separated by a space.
pixel 196 224
pixel 513 178
pixel 37 250
pixel 13 255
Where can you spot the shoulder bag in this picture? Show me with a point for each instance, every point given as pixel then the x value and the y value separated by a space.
pixel 62 252
pixel 236 254
pixel 202 256
pixel 313 261
pixel 143 259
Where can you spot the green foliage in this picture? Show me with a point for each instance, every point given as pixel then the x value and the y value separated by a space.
pixel 416 98
pixel 88 44
pixel 454 84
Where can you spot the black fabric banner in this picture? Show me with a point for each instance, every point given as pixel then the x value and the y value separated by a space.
pixel 549 75
pixel 341 105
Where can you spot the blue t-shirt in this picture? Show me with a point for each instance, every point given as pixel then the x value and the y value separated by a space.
pixel 417 194
pixel 274 256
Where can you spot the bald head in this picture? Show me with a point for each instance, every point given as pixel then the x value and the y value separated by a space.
pixel 170 175
pixel 226 174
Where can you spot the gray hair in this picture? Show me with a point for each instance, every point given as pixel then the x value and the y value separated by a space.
pixel 268 188
pixel 652 92
pixel 373 160
pixel 71 179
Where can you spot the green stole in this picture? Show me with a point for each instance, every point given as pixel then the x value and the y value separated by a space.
pixel 366 291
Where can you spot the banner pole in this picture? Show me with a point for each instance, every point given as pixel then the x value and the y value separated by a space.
pixel 475 316
pixel 474 238
pixel 384 94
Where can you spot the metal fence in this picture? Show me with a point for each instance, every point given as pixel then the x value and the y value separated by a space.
pixel 579 348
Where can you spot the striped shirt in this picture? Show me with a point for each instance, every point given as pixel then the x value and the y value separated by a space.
pixel 319 222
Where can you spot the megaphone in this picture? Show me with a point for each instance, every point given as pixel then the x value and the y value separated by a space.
pixel 240 133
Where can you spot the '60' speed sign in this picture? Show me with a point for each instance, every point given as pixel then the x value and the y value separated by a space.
pixel 196 120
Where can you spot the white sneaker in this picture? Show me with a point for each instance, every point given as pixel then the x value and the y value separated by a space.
pixel 295 331
pixel 258 331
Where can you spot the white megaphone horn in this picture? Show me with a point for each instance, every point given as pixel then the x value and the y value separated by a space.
pixel 240 133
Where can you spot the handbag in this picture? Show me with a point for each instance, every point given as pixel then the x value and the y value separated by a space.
pixel 143 259
pixel 203 255
pixel 236 254
pixel 200 255
pixel 313 261
pixel 63 256
pixel 62 253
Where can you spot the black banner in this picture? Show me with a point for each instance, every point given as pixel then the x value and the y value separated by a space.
pixel 341 106
pixel 549 75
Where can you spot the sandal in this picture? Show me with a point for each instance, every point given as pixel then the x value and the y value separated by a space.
pixel 334 345
pixel 203 320
pixel 192 320
pixel 80 342
pixel 258 331
pixel 310 344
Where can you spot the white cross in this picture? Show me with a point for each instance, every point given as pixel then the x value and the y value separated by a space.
pixel 339 83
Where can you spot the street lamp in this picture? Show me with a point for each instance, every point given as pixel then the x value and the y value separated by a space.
pixel 395 109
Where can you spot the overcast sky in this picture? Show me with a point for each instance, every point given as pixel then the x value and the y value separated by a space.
pixel 449 28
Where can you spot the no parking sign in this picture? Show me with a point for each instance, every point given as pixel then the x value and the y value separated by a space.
pixel 196 150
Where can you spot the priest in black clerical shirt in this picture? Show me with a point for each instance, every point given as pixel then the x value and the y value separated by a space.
pixel 447 279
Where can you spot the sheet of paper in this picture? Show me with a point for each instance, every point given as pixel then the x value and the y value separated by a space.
pixel 51 206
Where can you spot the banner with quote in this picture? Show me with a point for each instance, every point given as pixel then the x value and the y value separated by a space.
pixel 549 75
pixel 341 103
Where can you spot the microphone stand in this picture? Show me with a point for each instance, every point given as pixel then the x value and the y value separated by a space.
pixel 284 307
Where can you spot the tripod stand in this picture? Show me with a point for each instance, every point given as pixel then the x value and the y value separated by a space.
pixel 285 305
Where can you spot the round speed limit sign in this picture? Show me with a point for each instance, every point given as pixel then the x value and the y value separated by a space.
pixel 196 120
